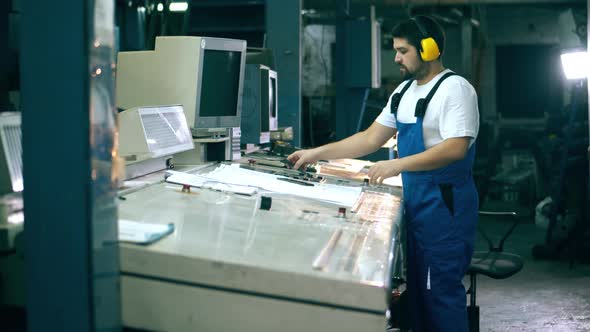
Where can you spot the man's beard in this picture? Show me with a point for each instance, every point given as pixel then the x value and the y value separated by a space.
pixel 417 74
pixel 406 73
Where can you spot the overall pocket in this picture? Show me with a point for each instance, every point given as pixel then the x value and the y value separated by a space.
pixel 446 191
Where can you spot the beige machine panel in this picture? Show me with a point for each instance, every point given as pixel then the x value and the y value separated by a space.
pixel 152 132
pixel 168 75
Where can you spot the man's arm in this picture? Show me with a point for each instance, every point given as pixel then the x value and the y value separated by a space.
pixel 357 145
pixel 440 155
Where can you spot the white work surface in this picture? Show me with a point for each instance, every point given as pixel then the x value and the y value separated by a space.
pixel 232 266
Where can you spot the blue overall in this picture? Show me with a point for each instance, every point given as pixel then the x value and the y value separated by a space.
pixel 441 215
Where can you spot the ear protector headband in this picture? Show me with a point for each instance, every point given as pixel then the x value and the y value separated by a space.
pixel 429 50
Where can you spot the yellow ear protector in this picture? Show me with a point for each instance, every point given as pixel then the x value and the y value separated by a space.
pixel 429 50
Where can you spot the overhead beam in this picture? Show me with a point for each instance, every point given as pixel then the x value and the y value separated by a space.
pixel 469 2
pixel 324 4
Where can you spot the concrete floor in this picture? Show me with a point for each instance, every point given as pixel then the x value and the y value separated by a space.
pixel 543 296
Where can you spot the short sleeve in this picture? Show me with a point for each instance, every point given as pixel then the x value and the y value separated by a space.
pixel 460 116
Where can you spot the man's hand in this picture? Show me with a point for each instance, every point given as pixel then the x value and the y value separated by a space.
pixel 303 157
pixel 385 169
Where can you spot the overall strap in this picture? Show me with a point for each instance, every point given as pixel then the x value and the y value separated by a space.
pixel 397 97
pixel 422 104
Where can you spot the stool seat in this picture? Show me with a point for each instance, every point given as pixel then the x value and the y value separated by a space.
pixel 496 265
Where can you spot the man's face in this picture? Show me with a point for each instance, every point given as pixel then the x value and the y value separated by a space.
pixel 407 58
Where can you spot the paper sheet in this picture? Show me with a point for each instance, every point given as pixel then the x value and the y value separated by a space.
pixel 234 175
pixel 394 181
pixel 353 169
pixel 348 165
pixel 205 182
pixel 142 233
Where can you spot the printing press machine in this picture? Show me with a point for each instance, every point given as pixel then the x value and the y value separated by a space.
pixel 263 262
pixel 302 264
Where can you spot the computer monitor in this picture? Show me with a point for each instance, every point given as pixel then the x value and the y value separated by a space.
pixel 203 74
pixel 259 111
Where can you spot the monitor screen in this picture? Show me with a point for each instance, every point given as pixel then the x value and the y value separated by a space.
pixel 272 97
pixel 220 83
pixel 265 99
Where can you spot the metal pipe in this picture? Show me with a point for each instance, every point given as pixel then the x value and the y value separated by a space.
pixel 321 261
pixel 327 4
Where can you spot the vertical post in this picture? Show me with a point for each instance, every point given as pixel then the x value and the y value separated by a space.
pixel 72 259
pixel 283 26
pixel 4 54
pixel 588 85
pixel 467 49
pixel 342 118
pixel 354 59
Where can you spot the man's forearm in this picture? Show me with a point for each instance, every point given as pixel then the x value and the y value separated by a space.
pixel 354 146
pixel 438 156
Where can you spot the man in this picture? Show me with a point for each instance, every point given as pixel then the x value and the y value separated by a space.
pixel 435 116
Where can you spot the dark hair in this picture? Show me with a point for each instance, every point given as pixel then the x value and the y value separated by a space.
pixel 409 30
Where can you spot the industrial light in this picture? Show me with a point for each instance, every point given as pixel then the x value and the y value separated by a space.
pixel 575 64
pixel 178 6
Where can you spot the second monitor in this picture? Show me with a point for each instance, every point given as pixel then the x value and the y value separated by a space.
pixel 259 110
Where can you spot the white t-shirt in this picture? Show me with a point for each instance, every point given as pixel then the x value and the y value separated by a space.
pixel 452 111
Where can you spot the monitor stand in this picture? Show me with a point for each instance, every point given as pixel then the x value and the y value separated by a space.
pixel 210 132
pixel 217 146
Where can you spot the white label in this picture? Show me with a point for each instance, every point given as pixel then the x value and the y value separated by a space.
pixel 264 137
